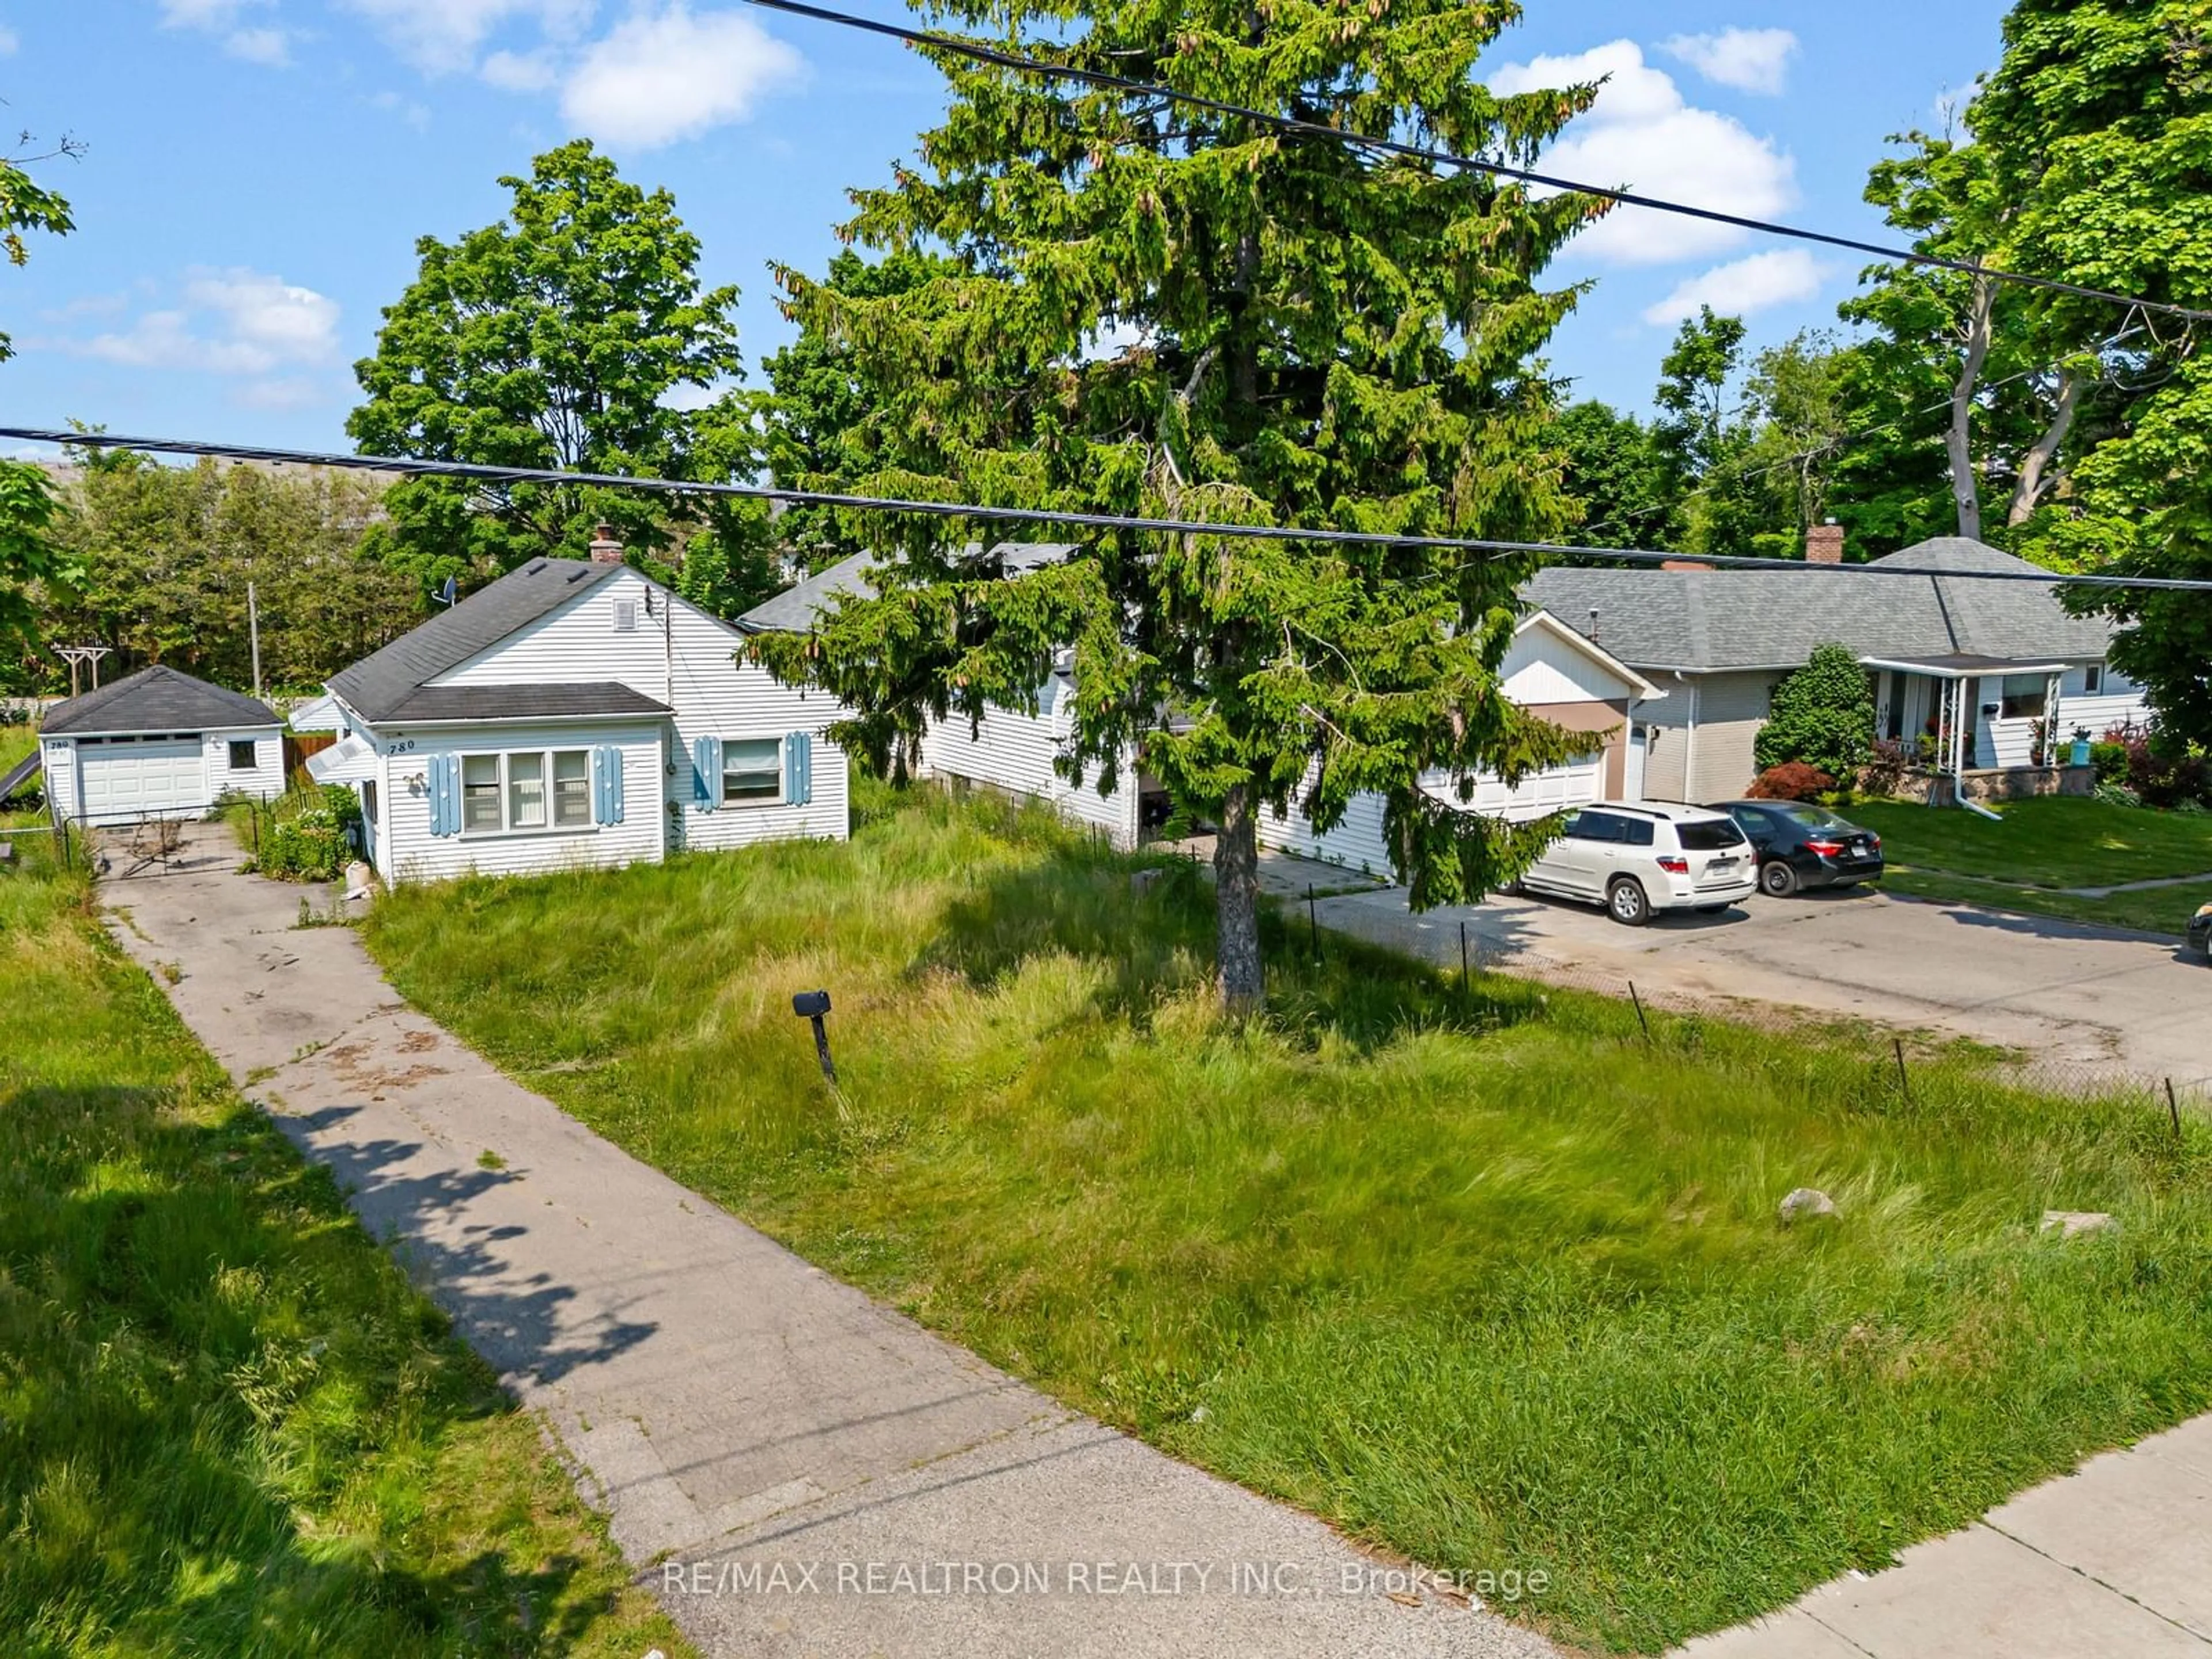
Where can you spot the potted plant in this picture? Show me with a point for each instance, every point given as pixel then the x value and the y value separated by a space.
pixel 2080 756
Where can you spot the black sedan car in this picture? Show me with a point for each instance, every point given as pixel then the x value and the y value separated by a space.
pixel 1800 845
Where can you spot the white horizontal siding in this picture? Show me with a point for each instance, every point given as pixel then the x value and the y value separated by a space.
pixel 264 781
pixel 1015 752
pixel 1541 667
pixel 407 851
pixel 57 762
pixel 2100 714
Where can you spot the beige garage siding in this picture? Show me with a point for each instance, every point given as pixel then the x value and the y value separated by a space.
pixel 1730 709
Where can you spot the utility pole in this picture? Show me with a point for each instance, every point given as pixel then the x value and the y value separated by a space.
pixel 253 631
pixel 77 656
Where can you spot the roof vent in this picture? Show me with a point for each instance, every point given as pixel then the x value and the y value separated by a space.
pixel 534 568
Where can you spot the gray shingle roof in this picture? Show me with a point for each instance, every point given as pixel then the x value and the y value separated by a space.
pixel 1723 619
pixel 565 700
pixel 156 699
pixel 377 684
pixel 795 609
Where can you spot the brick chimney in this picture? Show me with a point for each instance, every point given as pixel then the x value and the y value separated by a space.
pixel 1824 543
pixel 1683 564
pixel 605 550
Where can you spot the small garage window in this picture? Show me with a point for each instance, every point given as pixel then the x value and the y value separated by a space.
pixel 244 757
pixel 752 771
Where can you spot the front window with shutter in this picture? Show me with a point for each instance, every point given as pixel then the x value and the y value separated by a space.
pixel 571 788
pixel 532 790
pixel 752 771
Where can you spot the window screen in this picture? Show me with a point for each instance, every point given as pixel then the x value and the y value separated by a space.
pixel 752 770
pixel 525 792
pixel 480 792
pixel 242 757
pixel 2023 696
pixel 571 788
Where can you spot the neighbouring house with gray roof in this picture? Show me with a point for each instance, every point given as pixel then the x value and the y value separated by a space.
pixel 572 713
pixel 1548 668
pixel 1988 668
pixel 157 744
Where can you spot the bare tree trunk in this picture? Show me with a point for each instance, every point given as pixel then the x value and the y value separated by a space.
pixel 1958 440
pixel 2036 477
pixel 1236 903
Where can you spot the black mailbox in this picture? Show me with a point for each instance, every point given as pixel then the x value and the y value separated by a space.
pixel 811 1004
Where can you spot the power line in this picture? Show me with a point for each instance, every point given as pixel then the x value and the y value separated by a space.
pixel 1000 59
pixel 480 472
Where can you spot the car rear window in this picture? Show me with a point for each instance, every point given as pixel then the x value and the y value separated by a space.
pixel 1810 818
pixel 1709 834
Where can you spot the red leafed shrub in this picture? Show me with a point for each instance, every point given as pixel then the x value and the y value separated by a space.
pixel 1791 781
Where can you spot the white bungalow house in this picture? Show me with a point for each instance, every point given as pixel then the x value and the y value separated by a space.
pixel 573 713
pixel 1962 633
pixel 1549 668
pixel 157 744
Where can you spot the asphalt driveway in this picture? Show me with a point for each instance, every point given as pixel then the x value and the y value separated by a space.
pixel 2074 998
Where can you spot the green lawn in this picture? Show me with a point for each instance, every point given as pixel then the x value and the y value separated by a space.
pixel 227 1425
pixel 2046 843
pixel 1489 1281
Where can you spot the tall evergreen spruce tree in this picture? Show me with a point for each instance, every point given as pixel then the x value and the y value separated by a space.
pixel 1313 334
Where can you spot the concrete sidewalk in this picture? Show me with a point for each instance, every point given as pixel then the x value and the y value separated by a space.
pixel 797 1470
pixel 2112 1562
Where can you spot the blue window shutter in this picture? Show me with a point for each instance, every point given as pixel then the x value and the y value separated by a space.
pixel 706 774
pixel 444 773
pixel 605 759
pixel 799 769
pixel 614 754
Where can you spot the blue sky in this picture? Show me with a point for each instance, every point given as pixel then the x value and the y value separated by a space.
pixel 257 171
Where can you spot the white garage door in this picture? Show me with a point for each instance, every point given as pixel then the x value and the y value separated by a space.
pixel 1576 784
pixel 127 777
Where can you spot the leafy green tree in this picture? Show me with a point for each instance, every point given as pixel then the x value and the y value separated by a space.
pixel 1612 470
pixel 27 205
pixel 1822 714
pixel 1702 444
pixel 816 414
pixel 154 560
pixel 566 335
pixel 1317 335
pixel 28 552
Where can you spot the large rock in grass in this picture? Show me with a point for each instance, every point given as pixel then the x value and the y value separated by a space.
pixel 1808 1204
pixel 2067 1223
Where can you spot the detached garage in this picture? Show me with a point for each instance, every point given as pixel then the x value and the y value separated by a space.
pixel 158 745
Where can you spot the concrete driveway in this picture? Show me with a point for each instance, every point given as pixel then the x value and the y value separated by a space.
pixel 2074 998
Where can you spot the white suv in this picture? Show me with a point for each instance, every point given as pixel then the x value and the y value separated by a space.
pixel 1636 859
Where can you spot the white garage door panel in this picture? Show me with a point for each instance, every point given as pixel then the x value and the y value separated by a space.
pixel 126 779
pixel 1575 784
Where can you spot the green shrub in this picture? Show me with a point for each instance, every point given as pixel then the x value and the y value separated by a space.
pixel 2111 759
pixel 1823 716
pixel 307 834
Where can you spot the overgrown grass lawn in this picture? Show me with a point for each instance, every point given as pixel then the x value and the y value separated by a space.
pixel 227 1424
pixel 1490 1281
pixel 2046 842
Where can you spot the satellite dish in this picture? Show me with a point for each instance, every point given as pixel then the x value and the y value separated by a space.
pixel 449 591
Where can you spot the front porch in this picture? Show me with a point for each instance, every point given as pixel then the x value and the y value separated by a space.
pixel 1964 717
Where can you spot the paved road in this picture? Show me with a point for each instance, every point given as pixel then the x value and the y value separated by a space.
pixel 797 1470
pixel 2069 995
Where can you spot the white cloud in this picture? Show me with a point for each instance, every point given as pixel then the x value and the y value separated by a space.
pixel 515 71
pixel 1751 60
pixel 270 46
pixel 234 321
pixel 657 79
pixel 10 41
pixel 1641 135
pixel 442 36
pixel 416 115
pixel 1743 286
pixel 282 394
pixel 263 44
